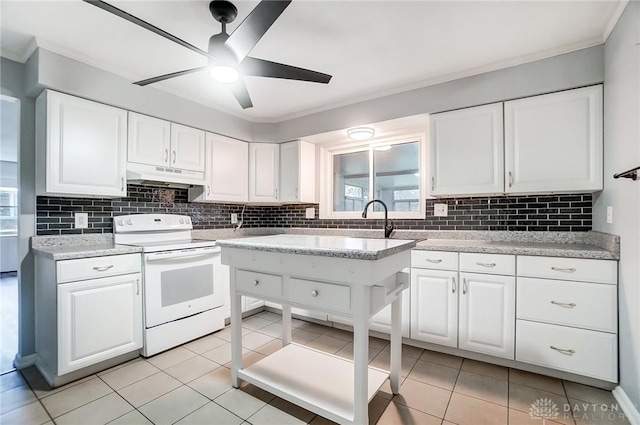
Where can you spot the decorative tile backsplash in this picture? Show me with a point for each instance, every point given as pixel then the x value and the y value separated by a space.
pixel 524 213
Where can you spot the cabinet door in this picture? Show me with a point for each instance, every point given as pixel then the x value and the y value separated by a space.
pixel 466 151
pixel 227 169
pixel 553 143
pixel 98 319
pixel 487 314
pixel 149 140
pixel 249 303
pixel 434 306
pixel 83 145
pixel 298 172
pixel 187 148
pixel 381 321
pixel 263 172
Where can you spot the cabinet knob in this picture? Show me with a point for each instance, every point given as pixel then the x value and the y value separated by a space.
pixel 256 282
pixel 314 293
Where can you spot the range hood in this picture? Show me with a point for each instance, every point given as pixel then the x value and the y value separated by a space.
pixel 154 175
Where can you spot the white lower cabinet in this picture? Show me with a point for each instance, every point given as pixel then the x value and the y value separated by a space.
pixel 434 306
pixel 249 303
pixel 487 313
pixel 98 319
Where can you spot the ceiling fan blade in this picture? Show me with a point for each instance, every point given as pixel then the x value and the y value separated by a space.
pixel 167 76
pixel 240 92
pixel 265 68
pixel 144 24
pixel 251 30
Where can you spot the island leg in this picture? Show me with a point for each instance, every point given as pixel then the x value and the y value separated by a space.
pixel 396 344
pixel 236 329
pixel 361 295
pixel 286 324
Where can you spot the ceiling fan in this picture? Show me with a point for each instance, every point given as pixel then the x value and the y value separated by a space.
pixel 227 54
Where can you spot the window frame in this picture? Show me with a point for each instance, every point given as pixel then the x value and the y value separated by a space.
pixel 326 177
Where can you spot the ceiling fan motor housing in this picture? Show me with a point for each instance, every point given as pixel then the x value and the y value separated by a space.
pixel 223 11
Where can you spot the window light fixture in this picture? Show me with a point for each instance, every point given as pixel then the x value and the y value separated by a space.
pixel 361 133
pixel 224 74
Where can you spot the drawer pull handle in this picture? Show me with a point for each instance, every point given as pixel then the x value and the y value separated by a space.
pixel 314 293
pixel 486 264
pixel 256 282
pixel 453 287
pixel 464 286
pixel 433 261
pixel 565 270
pixel 570 305
pixel 103 268
pixel 563 350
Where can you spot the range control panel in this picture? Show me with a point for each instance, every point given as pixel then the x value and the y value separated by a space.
pixel 151 222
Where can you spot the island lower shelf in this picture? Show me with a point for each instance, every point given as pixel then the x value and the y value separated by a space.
pixel 320 382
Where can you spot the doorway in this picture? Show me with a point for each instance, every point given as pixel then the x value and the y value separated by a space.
pixel 9 302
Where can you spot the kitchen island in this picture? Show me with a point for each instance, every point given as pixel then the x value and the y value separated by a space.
pixel 352 277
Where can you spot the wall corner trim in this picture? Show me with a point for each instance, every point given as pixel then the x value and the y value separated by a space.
pixel 21 362
pixel 630 409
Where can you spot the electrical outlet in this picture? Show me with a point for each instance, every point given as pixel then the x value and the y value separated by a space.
pixel 609 215
pixel 310 213
pixel 234 218
pixel 440 210
pixel 82 220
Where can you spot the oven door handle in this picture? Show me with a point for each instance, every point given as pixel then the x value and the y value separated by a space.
pixel 178 255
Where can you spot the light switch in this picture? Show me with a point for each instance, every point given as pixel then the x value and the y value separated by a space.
pixel 440 210
pixel 310 213
pixel 81 220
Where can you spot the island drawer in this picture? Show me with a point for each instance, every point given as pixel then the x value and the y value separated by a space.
pixel 97 267
pixel 259 283
pixel 588 353
pixel 589 270
pixel 488 263
pixel 441 260
pixel 579 304
pixel 322 295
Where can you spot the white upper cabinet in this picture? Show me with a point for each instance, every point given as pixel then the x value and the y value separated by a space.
pixel 226 171
pixel 553 143
pixel 149 140
pixel 264 172
pixel 153 141
pixel 81 147
pixel 466 151
pixel 298 172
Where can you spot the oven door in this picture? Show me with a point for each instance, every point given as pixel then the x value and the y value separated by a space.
pixel 181 283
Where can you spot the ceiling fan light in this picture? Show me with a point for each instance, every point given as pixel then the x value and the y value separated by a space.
pixel 360 133
pixel 224 74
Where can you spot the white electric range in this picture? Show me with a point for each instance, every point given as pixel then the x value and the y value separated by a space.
pixel 182 283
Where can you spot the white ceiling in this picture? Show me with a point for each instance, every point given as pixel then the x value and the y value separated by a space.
pixel 372 48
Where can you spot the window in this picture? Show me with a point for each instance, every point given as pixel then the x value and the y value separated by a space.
pixel 8 211
pixel 387 170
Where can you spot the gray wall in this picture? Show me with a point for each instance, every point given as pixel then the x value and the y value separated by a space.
pixel 622 152
pixel 12 83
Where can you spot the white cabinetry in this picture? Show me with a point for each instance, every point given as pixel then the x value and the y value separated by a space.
pixel 264 172
pixel 567 315
pixel 553 143
pixel 226 171
pixel 472 311
pixel 298 172
pixel 187 147
pixel 80 147
pixel 89 311
pixel 466 151
pixel 149 140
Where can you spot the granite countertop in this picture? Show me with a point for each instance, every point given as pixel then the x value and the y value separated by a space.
pixel 572 250
pixel 328 246
pixel 70 252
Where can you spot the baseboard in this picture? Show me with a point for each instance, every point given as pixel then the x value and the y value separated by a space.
pixel 630 409
pixel 21 362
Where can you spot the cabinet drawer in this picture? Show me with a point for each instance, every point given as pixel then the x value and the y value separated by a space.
pixel 322 295
pixel 96 267
pixel 440 260
pixel 587 353
pixel 583 305
pixel 259 283
pixel 600 271
pixel 488 263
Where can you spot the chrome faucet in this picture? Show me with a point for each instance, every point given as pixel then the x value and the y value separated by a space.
pixel 388 225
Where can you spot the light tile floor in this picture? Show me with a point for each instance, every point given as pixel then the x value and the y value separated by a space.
pixel 191 385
